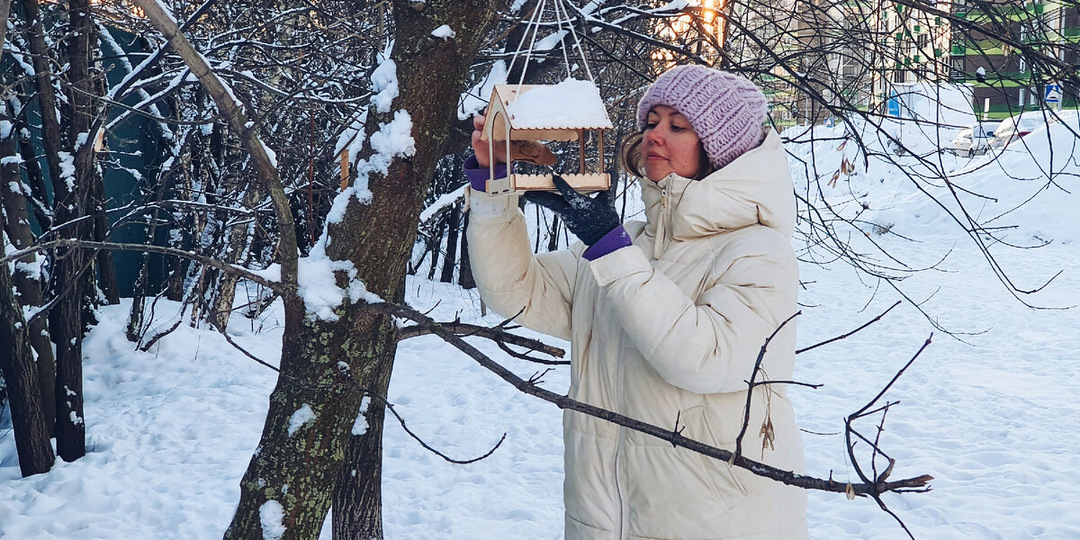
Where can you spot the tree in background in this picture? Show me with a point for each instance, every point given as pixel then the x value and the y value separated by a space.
pixel 61 106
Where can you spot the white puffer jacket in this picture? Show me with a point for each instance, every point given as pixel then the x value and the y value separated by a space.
pixel 668 328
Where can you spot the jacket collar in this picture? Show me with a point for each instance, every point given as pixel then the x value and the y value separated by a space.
pixel 756 188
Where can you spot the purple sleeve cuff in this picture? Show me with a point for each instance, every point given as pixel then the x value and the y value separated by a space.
pixel 618 238
pixel 478 176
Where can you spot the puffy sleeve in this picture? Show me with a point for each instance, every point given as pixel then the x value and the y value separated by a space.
pixel 709 343
pixel 537 289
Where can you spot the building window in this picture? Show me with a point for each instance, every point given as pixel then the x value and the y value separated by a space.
pixel 956 68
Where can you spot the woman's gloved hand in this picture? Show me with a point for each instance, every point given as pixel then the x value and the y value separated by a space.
pixel 589 218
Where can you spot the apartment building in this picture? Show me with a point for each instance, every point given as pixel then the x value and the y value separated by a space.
pixel 1002 47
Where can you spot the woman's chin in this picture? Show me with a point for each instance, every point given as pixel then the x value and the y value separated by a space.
pixel 655 174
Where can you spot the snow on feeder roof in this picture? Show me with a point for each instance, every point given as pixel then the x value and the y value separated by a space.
pixel 518 114
pixel 571 104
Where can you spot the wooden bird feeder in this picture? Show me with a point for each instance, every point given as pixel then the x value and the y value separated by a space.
pixel 521 116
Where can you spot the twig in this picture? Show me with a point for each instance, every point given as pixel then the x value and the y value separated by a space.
pixel 838 338
pixel 751 384
pixel 498 335
pixel 347 376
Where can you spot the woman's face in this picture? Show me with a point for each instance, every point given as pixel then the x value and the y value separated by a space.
pixel 669 145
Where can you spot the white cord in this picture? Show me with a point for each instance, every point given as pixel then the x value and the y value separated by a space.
pixel 534 25
pixel 558 28
pixel 580 50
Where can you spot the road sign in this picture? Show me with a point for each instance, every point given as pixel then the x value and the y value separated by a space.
pixel 1053 93
pixel 893 104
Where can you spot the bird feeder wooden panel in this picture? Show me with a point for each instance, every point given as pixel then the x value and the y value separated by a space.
pixel 519 116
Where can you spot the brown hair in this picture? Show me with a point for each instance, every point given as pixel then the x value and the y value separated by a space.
pixel 630 158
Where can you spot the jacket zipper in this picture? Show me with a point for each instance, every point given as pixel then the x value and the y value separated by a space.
pixel 661 227
pixel 620 444
pixel 624 512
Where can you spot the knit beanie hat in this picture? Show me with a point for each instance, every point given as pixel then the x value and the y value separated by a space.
pixel 725 110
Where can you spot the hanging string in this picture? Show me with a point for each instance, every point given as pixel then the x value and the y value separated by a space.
pixel 558 28
pixel 533 25
pixel 577 44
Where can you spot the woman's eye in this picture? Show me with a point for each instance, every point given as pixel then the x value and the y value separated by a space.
pixel 650 125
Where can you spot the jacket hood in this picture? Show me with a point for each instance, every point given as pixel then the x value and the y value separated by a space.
pixel 756 188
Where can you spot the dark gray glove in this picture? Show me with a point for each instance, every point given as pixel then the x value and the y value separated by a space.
pixel 589 218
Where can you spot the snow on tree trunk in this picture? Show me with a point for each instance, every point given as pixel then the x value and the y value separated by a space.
pixel 431 75
pixel 17 365
pixel 372 231
pixel 32 417
pixel 73 272
pixel 26 278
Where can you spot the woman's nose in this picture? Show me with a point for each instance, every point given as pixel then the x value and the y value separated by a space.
pixel 653 136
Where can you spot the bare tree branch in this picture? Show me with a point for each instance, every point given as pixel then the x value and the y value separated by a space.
pixel 867 487
pixel 113 246
pixel 498 335
pixel 842 336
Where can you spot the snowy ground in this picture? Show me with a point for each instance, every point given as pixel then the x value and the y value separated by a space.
pixel 991 414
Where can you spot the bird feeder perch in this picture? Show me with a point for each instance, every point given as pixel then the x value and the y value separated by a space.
pixel 519 117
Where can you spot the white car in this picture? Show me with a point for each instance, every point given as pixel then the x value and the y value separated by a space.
pixel 1014 127
pixel 1069 117
pixel 974 139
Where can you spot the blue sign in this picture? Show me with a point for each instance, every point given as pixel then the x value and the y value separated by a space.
pixel 1053 93
pixel 893 104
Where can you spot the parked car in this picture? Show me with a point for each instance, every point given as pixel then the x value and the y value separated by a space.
pixel 1014 127
pixel 974 139
pixel 1069 117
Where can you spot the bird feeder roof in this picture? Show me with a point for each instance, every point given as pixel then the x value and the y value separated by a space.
pixel 559 111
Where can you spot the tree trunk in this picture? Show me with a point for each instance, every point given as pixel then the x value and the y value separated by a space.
pixel 174 284
pixel 434 243
pixel 106 266
pixel 377 238
pixel 66 323
pixel 358 493
pixel 50 124
pixel 465 275
pixel 298 461
pixel 73 279
pixel 28 416
pixel 5 8
pixel 136 317
pixel 225 291
pixel 34 176
pixel 29 382
pixel 453 223
pixel 430 78
pixel 553 234
pixel 25 279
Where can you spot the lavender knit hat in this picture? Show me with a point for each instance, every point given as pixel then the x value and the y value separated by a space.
pixel 725 110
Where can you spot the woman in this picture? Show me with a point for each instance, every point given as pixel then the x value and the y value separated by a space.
pixel 666 317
